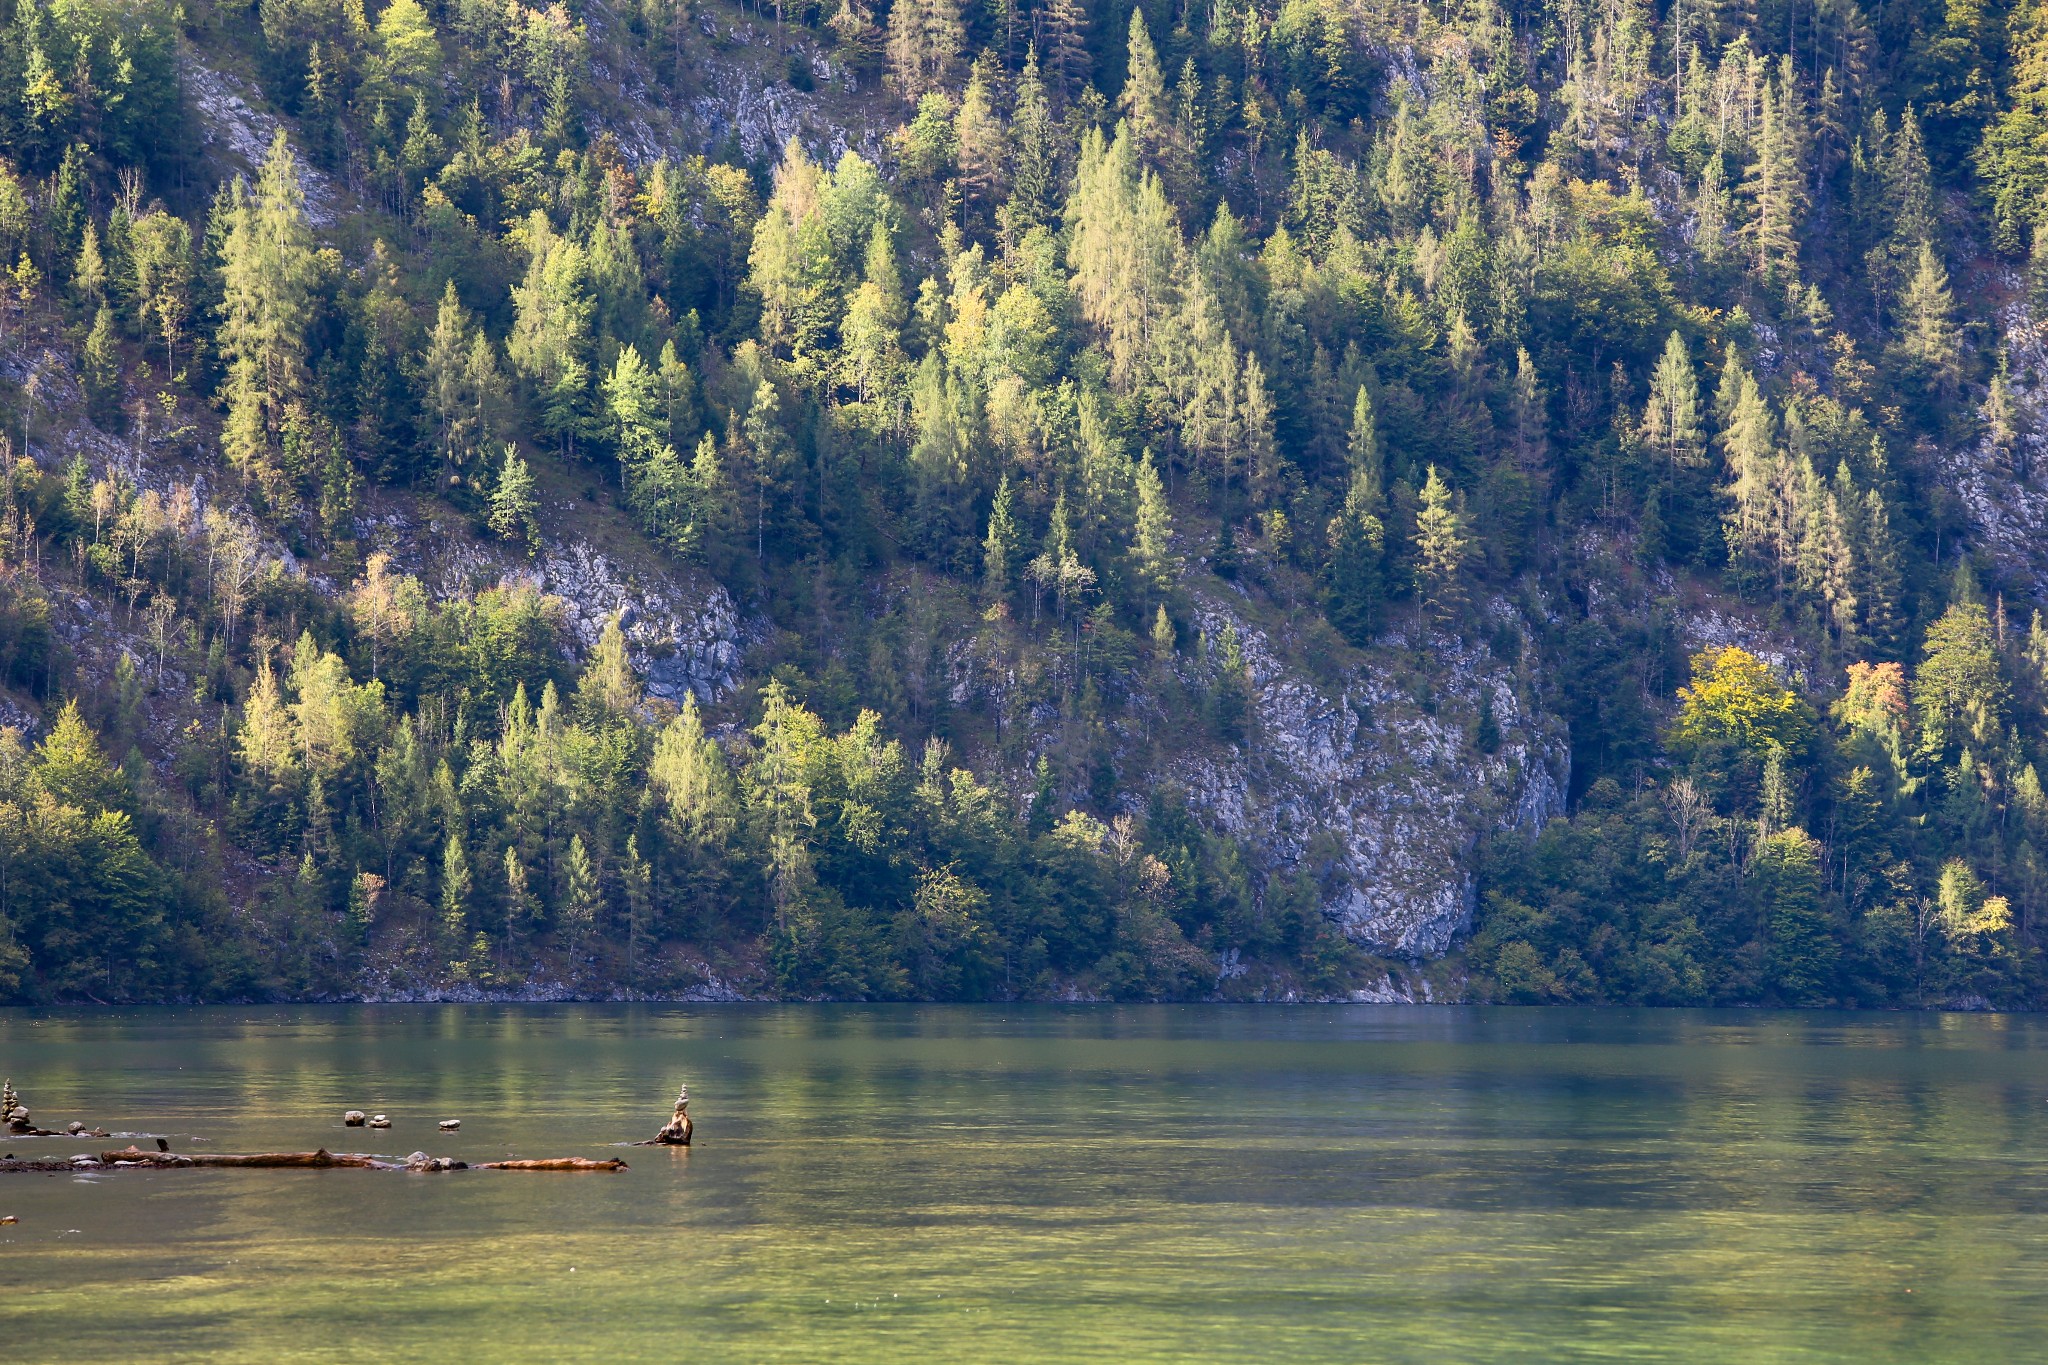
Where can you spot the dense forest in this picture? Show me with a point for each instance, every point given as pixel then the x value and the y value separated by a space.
pixel 1521 332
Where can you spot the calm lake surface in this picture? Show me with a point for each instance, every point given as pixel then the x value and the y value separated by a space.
pixel 1040 1183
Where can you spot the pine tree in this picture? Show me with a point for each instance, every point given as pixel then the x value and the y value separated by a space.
pixel 456 890
pixel 984 143
pixel 1671 421
pixel 1928 337
pixel 267 272
pixel 1002 547
pixel 1441 549
pixel 100 371
pixel 924 45
pixel 1777 182
pixel 551 337
pixel 1152 537
pixel 515 503
pixel 1035 171
pixel 582 898
pixel 1147 114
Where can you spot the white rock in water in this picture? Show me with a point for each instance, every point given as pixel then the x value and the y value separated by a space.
pixel 450 1125
pixel 380 1122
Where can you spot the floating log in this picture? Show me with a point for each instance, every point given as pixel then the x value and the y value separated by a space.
pixel 560 1163
pixel 134 1158
pixel 318 1160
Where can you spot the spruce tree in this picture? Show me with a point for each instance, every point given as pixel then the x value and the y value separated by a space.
pixel 515 504
pixel 1441 550
pixel 1152 535
pixel 1671 421
pixel 267 273
pixel 1002 547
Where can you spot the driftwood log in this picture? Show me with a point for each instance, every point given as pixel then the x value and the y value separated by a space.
pixel 135 1158
pixel 560 1163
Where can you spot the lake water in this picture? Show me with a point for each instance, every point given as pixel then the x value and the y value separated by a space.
pixel 1043 1183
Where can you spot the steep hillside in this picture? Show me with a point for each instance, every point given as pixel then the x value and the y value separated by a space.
pixel 988 501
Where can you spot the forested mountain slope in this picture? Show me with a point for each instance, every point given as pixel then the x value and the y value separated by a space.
pixel 984 499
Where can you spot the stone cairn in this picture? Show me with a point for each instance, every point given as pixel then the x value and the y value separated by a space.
pixel 12 1110
pixel 677 1132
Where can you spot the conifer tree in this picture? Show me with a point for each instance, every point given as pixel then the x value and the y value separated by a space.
pixel 1441 549
pixel 1152 536
pixel 689 772
pixel 1002 547
pixel 1671 421
pixel 2013 158
pixel 1777 182
pixel 1928 336
pixel 1035 173
pixel 924 45
pixel 1065 29
pixel 100 373
pixel 1364 456
pixel 551 339
pixel 1147 113
pixel 456 890
pixel 160 280
pixel 1531 417
pixel 267 273
pixel 515 503
pixel 984 154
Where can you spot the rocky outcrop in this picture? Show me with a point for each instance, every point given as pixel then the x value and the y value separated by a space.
pixel 682 631
pixel 2005 492
pixel 1378 794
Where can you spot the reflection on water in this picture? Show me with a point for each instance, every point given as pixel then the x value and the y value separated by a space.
pixel 882 1183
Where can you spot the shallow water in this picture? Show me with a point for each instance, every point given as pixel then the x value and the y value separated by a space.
pixel 885 1183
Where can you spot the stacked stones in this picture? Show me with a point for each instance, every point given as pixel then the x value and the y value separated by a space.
pixel 13 1111
pixel 677 1132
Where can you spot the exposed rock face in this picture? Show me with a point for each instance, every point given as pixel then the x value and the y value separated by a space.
pixel 2006 492
pixel 239 135
pixel 683 638
pixel 682 631
pixel 1376 795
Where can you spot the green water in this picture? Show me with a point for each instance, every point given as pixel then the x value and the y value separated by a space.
pixel 1043 1183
